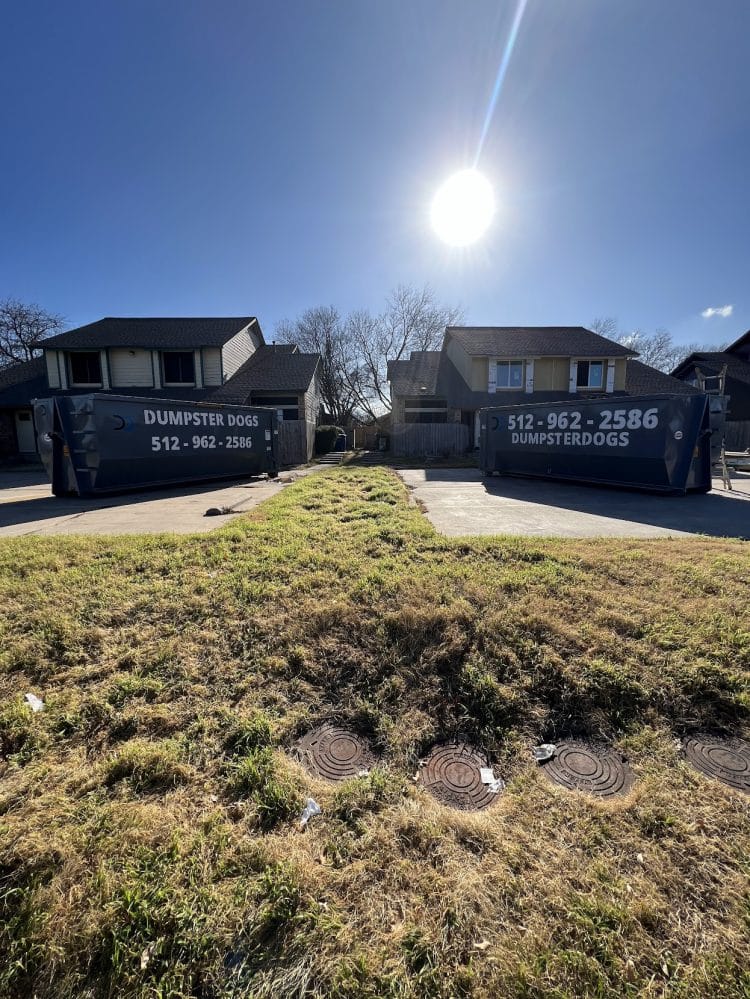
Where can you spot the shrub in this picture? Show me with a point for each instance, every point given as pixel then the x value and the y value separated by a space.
pixel 325 438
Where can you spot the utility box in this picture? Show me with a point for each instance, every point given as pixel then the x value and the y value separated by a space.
pixel 660 443
pixel 101 443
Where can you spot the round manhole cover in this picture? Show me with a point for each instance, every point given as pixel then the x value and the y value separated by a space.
pixel 583 766
pixel 335 753
pixel 726 759
pixel 453 774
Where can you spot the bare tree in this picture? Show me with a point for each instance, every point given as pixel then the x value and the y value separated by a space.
pixel 321 331
pixel 22 329
pixel 656 349
pixel 412 320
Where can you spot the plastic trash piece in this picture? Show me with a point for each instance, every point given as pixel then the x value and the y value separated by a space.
pixel 311 808
pixel 363 773
pixel 34 702
pixel 494 784
pixel 544 752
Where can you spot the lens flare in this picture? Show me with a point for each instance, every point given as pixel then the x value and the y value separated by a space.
pixel 463 208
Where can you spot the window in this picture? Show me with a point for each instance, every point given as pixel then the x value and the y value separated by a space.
pixel 590 374
pixel 425 411
pixel 85 367
pixel 179 367
pixel 288 404
pixel 510 374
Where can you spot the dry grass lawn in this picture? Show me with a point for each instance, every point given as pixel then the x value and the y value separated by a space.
pixel 148 843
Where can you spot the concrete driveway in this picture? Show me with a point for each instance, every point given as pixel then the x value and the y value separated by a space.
pixel 461 501
pixel 28 507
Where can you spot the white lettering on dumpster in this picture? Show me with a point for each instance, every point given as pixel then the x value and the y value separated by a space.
pixel 197 418
pixel 571 439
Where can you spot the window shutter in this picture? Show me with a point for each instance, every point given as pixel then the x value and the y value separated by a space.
pixel 530 376
pixel 492 375
pixel 610 375
pixel 573 376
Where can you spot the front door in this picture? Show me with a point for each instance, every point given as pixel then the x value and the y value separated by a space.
pixel 25 431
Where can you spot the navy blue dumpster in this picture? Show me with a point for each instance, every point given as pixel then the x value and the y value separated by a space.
pixel 100 443
pixel 659 442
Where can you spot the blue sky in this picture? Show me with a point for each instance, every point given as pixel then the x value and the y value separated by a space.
pixel 170 157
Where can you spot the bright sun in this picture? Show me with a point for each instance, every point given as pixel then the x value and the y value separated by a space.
pixel 463 208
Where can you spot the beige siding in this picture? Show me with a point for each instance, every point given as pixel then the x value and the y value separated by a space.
pixel 53 372
pixel 211 366
pixel 621 368
pixel 479 374
pixel 130 368
pixel 236 351
pixel 460 359
pixel 551 374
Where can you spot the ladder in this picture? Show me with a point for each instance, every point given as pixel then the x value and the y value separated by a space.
pixel 714 387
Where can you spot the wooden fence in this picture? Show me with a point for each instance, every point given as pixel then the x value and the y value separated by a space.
pixel 429 439
pixel 296 442
pixel 737 435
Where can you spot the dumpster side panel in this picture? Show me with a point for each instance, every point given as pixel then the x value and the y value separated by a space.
pixel 644 442
pixel 118 443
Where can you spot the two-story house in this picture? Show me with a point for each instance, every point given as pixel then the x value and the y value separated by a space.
pixel 481 366
pixel 178 358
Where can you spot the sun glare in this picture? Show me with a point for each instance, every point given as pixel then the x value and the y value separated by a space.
pixel 463 208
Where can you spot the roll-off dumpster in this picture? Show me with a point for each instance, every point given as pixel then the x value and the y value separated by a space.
pixel 99 443
pixel 656 442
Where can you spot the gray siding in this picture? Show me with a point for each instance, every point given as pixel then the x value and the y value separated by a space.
pixel 211 366
pixel 236 351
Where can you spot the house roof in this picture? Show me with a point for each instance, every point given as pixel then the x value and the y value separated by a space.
pixel 742 341
pixel 714 361
pixel 270 369
pixel 535 341
pixel 642 379
pixel 21 382
pixel 418 375
pixel 155 333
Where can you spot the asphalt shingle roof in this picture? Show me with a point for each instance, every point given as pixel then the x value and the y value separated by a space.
pixel 737 367
pixel 21 382
pixel 269 369
pixel 418 375
pixel 535 341
pixel 155 333
pixel 642 379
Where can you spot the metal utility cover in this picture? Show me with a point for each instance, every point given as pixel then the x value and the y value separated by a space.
pixel 728 760
pixel 452 774
pixel 585 766
pixel 335 753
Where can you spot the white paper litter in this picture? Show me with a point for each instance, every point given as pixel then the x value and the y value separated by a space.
pixel 544 752
pixel 496 786
pixel 34 702
pixel 363 773
pixel 486 775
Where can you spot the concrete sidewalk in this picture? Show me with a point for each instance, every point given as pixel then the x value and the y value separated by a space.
pixel 27 506
pixel 461 501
